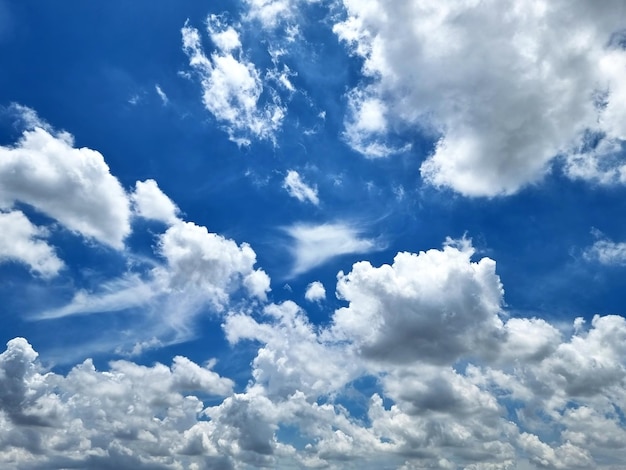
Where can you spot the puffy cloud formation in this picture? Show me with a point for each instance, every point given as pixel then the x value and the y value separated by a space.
pixel 299 189
pixel 72 185
pixel 200 269
pixel 411 308
pixel 233 89
pixel 315 292
pixel 151 203
pixel 21 241
pixel 505 86
pixel 508 393
pixel 130 416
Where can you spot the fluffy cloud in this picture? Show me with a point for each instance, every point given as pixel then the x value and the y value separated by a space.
pixel 316 244
pixel 21 241
pixel 505 86
pixel 299 189
pixel 465 388
pixel 435 306
pixel 72 185
pixel 200 269
pixel 151 203
pixel 315 292
pixel 233 89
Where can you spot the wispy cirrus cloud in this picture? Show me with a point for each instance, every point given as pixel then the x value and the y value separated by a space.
pixel 314 245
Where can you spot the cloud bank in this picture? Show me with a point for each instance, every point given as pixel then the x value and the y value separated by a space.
pixel 449 370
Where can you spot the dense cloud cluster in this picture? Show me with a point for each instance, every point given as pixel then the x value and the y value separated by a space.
pixel 418 364
pixel 506 87
pixel 456 384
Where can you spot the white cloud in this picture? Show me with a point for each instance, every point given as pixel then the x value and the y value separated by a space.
pixel 72 185
pixel 130 416
pixel 151 203
pixel 200 270
pixel 506 86
pixel 315 292
pixel 272 13
pixel 434 306
pixel 21 241
pixel 232 86
pixel 316 244
pixel 535 398
pixel 161 94
pixel 607 252
pixel 299 189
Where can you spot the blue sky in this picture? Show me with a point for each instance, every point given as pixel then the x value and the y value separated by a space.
pixel 312 233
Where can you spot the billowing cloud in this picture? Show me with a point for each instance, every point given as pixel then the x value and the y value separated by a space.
pixel 232 87
pixel 314 245
pixel 200 269
pixel 24 242
pixel 503 394
pixel 315 292
pixel 505 87
pixel 299 189
pixel 130 416
pixel 151 203
pixel 435 306
pixel 72 185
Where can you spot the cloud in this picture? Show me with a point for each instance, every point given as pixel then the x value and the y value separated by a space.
pixel 21 241
pixel 435 306
pixel 607 252
pixel 161 94
pixel 299 189
pixel 462 387
pixel 129 416
pixel 314 245
pixel 233 89
pixel 72 185
pixel 315 292
pixel 200 270
pixel 272 13
pixel 506 88
pixel 151 203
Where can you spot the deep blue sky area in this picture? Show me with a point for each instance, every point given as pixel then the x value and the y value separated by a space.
pixel 222 187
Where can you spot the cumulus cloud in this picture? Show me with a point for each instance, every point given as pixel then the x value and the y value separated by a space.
pixel 314 245
pixel 505 87
pixel 299 189
pixel 200 269
pixel 232 86
pixel 436 306
pixel 151 203
pixel 130 416
pixel 315 292
pixel 72 185
pixel 465 388
pixel 24 242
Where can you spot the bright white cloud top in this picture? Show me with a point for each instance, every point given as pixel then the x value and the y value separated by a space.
pixel 440 184
pixel 299 189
